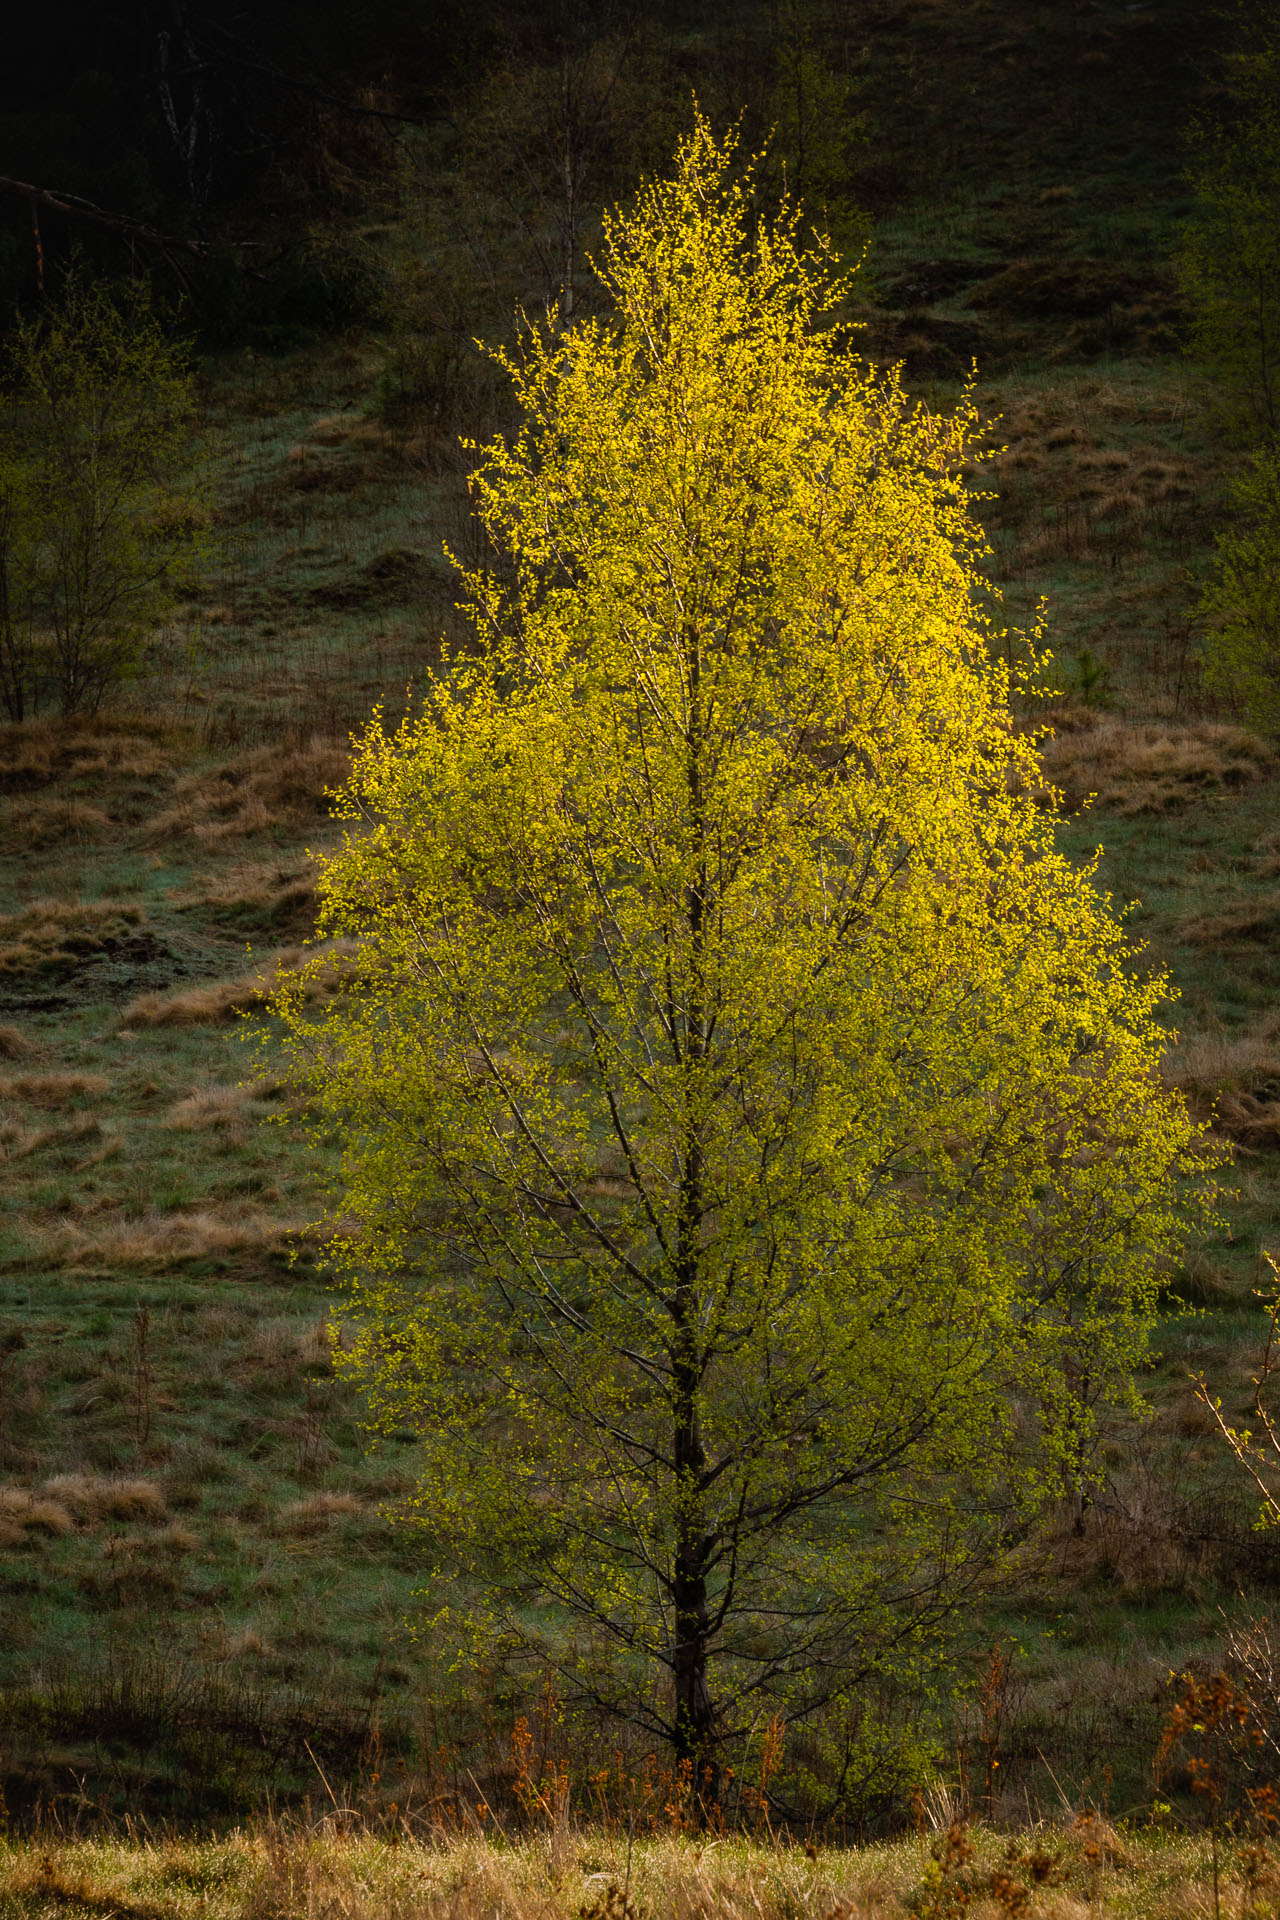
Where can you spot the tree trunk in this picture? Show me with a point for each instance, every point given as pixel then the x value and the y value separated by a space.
pixel 694 1740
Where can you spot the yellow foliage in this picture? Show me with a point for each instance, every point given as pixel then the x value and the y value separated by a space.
pixel 758 1159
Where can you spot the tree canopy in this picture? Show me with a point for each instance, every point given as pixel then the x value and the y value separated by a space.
pixel 756 1161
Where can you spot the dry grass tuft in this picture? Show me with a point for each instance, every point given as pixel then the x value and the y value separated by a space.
pixel 49 821
pixel 208 1109
pixel 92 1497
pixel 318 1514
pixel 1146 769
pixel 273 789
pixel 1232 1083
pixel 23 1512
pixel 156 1239
pixel 1254 918
pixel 336 1868
pixel 53 936
pixel 35 753
pixel 260 894
pixel 52 1090
pixel 14 1045
pixel 18 1143
pixel 327 970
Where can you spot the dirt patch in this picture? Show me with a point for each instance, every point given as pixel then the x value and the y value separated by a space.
pixel 88 951
pixel 54 937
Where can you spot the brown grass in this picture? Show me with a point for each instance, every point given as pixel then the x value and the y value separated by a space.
pixel 271 790
pixel 14 1045
pixel 156 1239
pixel 18 1143
pixel 208 1109
pixel 266 893
pixel 52 936
pixel 49 821
pixel 23 1512
pixel 318 1513
pixel 249 992
pixel 1232 1082
pixel 417 1868
pixel 36 753
pixel 92 1497
pixel 1147 768
pixel 1252 918
pixel 52 1090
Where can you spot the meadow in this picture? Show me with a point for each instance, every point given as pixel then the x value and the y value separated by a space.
pixel 206 1607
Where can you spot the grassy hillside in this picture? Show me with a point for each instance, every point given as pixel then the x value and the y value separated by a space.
pixel 199 1599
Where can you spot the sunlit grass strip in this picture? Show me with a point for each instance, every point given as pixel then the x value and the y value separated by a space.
pixel 273 1871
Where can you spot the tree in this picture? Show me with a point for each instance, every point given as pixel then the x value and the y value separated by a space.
pixel 754 1144
pixel 1229 269
pixel 93 520
pixel 1241 602
pixel 1229 261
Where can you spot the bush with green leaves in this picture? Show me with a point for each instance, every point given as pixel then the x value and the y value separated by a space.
pixel 96 516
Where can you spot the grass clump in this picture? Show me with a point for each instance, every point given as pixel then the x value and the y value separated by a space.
pixel 53 937
pixel 52 1090
pixel 49 821
pixel 271 790
pixel 153 1240
pixel 1232 1081
pixel 111 748
pixel 254 896
pixel 223 1000
pixel 1126 768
